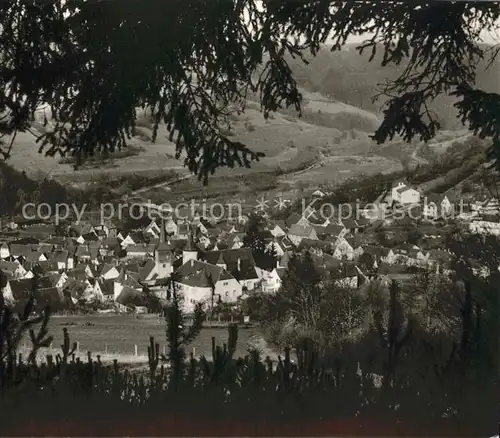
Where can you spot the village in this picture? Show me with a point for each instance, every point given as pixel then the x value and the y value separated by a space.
pixel 116 269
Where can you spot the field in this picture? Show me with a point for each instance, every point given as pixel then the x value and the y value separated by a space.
pixel 117 335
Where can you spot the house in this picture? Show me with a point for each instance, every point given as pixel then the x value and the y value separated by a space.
pixel 295 219
pixel 129 298
pixel 148 273
pixel 109 272
pixel 271 281
pixel 141 250
pixel 108 246
pixel 183 231
pixel 318 194
pixel 238 262
pixel 405 195
pixel 62 259
pixel 298 232
pixel 343 249
pixel 106 287
pixel 58 279
pixel 334 231
pixel 278 230
pixel 75 290
pixel 132 239
pixel 13 270
pixel 348 275
pixel 317 247
pixel 201 282
pixel 380 254
pixel 154 229
pixel 125 282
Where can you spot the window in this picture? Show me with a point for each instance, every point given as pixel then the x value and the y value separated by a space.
pixel 226 283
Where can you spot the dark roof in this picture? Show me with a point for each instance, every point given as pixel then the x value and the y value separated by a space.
pixel 347 270
pixel 292 219
pixel 130 297
pixel 377 251
pixel 300 230
pixel 75 288
pixel 107 286
pixel 21 289
pixel 200 274
pixel 48 297
pixel 59 256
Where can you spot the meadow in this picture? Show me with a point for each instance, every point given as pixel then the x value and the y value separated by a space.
pixel 117 335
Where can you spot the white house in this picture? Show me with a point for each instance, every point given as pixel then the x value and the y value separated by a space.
pixel 405 195
pixel 109 272
pixel 318 194
pixel 298 232
pixel 203 282
pixel 347 276
pixel 154 229
pixel 278 230
pixel 343 249
pixel 271 281
pixel 238 262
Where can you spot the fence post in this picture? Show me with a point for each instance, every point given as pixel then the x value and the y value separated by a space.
pixel 136 349
pixel 194 351
pixel 165 350
pixel 106 348
pixel 78 347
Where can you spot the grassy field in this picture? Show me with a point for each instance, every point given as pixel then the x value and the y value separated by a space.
pixel 117 335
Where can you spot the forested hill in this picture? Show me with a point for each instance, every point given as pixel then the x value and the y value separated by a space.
pixel 351 78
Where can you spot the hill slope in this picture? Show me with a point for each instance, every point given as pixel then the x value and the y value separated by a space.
pixel 332 136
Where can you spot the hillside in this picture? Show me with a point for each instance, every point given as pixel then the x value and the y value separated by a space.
pixel 349 77
pixel 331 139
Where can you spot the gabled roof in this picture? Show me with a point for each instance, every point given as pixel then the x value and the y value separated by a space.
pixel 293 219
pixel 146 270
pixel 8 266
pixel 110 242
pixel 200 274
pixel 75 288
pixel 47 266
pixel 376 251
pixel 300 230
pixel 59 256
pixel 48 297
pixel 21 289
pixel 346 270
pixel 141 248
pixel 107 286
pixel 130 297
pixel 190 245
pixel 312 243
